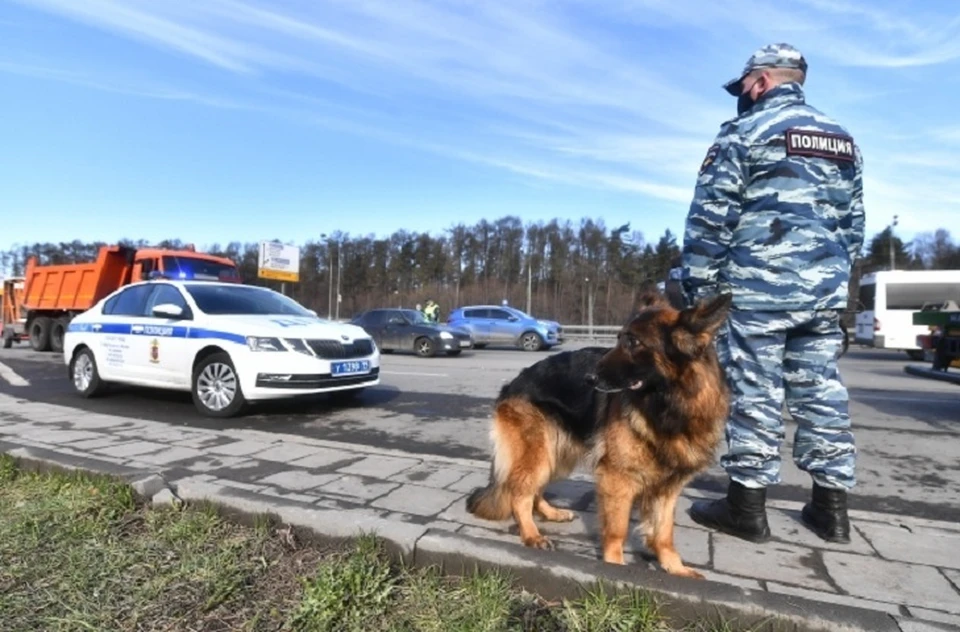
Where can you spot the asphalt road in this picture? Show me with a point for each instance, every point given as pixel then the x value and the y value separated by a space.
pixel 907 429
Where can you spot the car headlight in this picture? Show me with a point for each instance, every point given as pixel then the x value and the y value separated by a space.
pixel 257 343
pixel 446 335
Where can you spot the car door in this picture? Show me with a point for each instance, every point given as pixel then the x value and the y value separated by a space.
pixel 394 329
pixel 503 326
pixel 479 324
pixel 167 358
pixel 117 349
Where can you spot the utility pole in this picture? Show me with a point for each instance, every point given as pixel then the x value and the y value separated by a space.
pixel 329 279
pixel 529 284
pixel 339 261
pixel 893 263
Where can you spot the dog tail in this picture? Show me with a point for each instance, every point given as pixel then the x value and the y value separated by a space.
pixel 493 501
pixel 490 502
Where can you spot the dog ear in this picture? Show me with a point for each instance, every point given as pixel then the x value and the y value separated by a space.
pixel 650 298
pixel 707 315
pixel 699 324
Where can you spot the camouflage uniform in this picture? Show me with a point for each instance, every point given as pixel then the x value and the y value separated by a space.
pixel 777 220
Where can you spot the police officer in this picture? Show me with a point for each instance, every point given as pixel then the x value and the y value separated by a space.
pixel 777 220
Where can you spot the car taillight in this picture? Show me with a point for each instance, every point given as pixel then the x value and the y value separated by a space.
pixel 876 324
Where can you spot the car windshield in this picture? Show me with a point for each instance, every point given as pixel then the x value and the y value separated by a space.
pixel 415 317
pixel 243 299
pixel 176 267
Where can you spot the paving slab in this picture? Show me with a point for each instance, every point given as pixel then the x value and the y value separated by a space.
pixel 131 449
pixel 357 487
pixel 774 561
pixel 239 448
pixel 379 466
pixel 285 453
pixel 327 458
pixel 169 455
pixel 297 480
pixel 934 547
pixel 897 582
pixel 431 475
pixel 470 482
pixel 421 501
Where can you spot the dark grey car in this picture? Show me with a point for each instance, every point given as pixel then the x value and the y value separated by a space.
pixel 409 330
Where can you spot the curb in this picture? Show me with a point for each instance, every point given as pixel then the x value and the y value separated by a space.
pixel 942 376
pixel 553 575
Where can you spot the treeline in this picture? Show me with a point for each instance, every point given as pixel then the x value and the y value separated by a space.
pixel 568 269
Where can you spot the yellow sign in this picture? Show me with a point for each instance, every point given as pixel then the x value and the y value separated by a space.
pixel 278 275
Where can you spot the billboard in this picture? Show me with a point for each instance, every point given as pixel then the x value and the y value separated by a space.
pixel 278 261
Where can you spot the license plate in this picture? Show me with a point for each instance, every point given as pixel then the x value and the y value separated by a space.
pixel 350 367
pixel 464 343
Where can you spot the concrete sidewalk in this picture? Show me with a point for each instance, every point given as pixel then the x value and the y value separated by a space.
pixel 906 568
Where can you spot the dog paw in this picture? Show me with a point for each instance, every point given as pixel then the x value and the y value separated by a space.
pixel 539 542
pixel 564 515
pixel 686 571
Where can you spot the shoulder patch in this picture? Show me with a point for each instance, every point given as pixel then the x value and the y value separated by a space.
pixel 801 142
pixel 710 157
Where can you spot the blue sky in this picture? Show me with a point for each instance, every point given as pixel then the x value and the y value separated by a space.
pixel 220 120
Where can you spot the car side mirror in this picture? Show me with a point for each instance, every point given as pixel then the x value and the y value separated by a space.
pixel 513 319
pixel 167 310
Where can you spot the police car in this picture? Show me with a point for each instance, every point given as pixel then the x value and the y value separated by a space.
pixel 228 344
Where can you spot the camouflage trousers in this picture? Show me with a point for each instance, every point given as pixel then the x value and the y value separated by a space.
pixel 776 357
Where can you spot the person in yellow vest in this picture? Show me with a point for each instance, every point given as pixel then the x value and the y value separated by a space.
pixel 432 311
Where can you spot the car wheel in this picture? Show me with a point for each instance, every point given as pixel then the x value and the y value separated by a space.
pixel 84 374
pixel 7 340
pixel 915 354
pixel 424 347
pixel 531 341
pixel 216 387
pixel 480 346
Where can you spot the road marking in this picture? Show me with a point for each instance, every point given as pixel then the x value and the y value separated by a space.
pixel 415 373
pixel 11 376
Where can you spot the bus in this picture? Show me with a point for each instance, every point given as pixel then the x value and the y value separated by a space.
pixel 888 299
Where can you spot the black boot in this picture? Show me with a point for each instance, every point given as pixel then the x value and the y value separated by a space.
pixel 742 513
pixel 827 514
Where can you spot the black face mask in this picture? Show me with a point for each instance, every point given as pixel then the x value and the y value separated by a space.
pixel 744 102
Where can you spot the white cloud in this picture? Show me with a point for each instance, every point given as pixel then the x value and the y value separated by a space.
pixel 575 92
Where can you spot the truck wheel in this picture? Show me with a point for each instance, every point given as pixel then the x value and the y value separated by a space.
pixel 84 374
pixel 57 329
pixel 216 387
pixel 7 341
pixel 40 333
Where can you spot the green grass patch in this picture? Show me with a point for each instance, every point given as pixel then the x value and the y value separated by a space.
pixel 78 553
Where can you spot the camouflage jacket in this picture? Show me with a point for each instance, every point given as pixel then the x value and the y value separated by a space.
pixel 777 216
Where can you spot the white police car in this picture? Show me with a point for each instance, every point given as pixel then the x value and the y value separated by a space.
pixel 226 343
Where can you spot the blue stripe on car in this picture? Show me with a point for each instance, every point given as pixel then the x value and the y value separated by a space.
pixel 159 331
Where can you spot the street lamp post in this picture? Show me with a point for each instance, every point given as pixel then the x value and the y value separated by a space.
pixel 893 263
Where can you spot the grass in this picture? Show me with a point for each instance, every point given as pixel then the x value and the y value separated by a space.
pixel 77 553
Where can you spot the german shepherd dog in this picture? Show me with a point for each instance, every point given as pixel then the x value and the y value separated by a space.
pixel 647 415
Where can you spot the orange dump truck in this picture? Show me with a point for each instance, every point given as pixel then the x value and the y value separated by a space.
pixel 54 294
pixel 11 298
